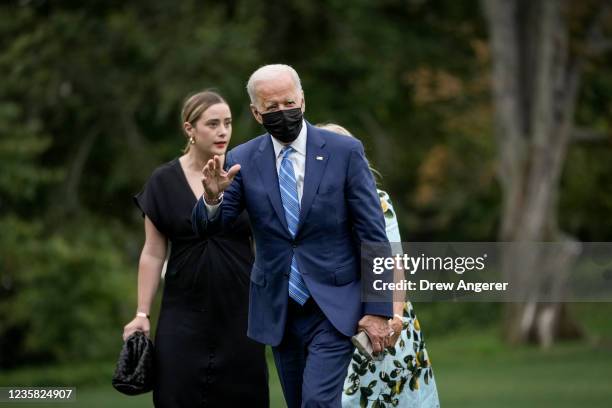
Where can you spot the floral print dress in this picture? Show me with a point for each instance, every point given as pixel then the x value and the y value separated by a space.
pixel 404 378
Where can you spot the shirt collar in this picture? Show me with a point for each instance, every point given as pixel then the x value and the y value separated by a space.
pixel 299 144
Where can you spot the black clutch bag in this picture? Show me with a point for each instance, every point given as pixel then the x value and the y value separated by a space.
pixel 134 373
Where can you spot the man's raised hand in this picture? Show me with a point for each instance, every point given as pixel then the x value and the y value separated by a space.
pixel 215 179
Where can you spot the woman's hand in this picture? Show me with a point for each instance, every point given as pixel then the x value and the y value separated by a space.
pixel 396 325
pixel 138 324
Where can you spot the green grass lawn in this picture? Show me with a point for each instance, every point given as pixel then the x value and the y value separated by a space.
pixel 473 369
pixel 479 371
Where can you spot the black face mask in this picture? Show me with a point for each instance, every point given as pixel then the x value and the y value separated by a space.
pixel 284 125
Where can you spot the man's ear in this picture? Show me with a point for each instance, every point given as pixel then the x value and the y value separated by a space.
pixel 256 114
pixel 303 102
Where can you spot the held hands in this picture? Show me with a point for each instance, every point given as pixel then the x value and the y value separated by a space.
pixel 396 324
pixel 138 324
pixel 214 179
pixel 380 333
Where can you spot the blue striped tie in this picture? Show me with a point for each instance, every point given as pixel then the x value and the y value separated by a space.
pixel 289 196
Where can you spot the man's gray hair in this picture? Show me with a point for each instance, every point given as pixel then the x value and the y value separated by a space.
pixel 268 72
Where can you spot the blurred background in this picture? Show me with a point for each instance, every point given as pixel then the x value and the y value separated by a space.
pixel 488 120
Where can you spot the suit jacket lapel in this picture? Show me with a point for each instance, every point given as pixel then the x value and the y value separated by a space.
pixel 316 162
pixel 266 163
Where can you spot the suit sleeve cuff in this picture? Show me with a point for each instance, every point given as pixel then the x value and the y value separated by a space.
pixel 212 209
pixel 383 309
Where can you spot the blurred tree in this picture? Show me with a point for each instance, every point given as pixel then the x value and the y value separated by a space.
pixel 90 95
pixel 58 290
pixel 21 142
pixel 539 50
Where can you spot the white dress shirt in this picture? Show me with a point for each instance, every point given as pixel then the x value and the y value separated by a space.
pixel 298 159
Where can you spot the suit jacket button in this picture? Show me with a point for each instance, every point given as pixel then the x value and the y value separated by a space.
pixel 294 245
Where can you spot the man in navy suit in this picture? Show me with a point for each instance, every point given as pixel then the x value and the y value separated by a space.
pixel 312 201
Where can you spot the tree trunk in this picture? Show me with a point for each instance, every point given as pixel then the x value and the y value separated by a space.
pixel 535 85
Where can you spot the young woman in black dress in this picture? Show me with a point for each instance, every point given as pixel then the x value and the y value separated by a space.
pixel 203 357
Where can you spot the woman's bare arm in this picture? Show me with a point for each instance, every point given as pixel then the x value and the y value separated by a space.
pixel 150 267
